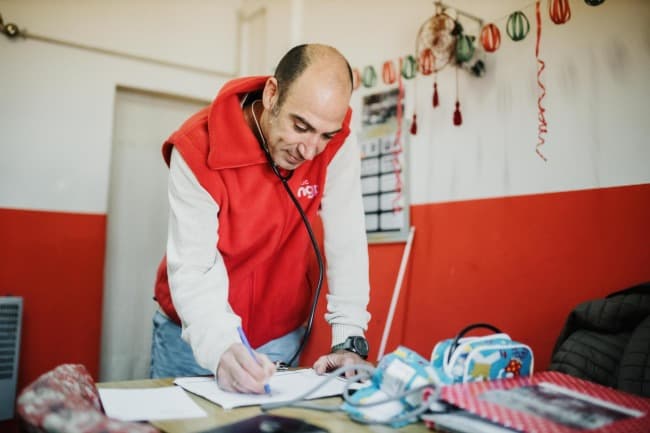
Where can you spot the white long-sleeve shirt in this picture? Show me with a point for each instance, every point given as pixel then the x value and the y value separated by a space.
pixel 198 278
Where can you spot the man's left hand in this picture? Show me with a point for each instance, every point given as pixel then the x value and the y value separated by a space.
pixel 332 361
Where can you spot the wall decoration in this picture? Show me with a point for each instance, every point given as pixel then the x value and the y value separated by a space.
pixel 464 48
pixel 442 41
pixel 436 34
pixel 490 38
pixel 517 26
pixel 426 62
pixel 388 72
pixel 435 46
pixel 369 77
pixel 542 127
pixel 559 10
pixel 383 167
pixel 408 67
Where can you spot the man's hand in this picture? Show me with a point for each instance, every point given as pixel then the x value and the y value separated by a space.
pixel 330 362
pixel 239 372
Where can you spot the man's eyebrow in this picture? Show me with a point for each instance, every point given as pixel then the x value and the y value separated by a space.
pixel 310 127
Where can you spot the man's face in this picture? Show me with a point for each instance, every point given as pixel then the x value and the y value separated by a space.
pixel 310 115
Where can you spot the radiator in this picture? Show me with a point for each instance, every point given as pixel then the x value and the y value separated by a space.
pixel 11 309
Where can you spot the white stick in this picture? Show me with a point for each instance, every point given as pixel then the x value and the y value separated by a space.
pixel 396 290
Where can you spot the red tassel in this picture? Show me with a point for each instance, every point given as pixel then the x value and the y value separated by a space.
pixel 458 118
pixel 435 95
pixel 414 125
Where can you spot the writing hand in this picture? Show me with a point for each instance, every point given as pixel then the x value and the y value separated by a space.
pixel 238 371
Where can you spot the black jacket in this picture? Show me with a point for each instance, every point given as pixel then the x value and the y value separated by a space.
pixel 607 341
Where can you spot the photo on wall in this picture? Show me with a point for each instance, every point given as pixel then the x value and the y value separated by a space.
pixel 383 167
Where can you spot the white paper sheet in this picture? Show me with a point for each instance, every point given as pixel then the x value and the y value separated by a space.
pixel 285 385
pixel 146 404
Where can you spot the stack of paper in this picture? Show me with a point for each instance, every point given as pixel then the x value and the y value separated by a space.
pixel 147 404
pixel 285 385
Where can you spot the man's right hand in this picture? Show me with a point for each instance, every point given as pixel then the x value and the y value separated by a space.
pixel 239 372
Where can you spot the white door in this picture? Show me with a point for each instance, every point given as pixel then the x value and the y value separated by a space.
pixel 136 227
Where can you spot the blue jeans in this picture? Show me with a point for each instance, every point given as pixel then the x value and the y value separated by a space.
pixel 171 356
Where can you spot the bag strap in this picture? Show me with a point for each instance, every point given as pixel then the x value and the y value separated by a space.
pixel 464 331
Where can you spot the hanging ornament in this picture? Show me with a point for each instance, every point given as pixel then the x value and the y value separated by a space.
pixel 559 11
pixel 458 117
pixel 436 35
pixel 458 29
pixel 517 26
pixel 369 76
pixel 397 144
pixel 542 127
pixel 594 2
pixel 478 68
pixel 414 125
pixel 388 72
pixel 426 61
pixel 464 48
pixel 408 67
pixel 356 79
pixel 434 101
pixel 490 38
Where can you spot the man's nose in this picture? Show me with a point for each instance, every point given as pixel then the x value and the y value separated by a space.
pixel 308 148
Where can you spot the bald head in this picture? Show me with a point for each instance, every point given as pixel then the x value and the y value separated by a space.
pixel 332 67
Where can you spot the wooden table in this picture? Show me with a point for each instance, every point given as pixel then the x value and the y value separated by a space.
pixel 335 422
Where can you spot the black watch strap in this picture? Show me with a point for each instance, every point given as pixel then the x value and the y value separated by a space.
pixel 355 344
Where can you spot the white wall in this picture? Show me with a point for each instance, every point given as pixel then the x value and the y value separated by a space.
pixel 57 101
pixel 597 96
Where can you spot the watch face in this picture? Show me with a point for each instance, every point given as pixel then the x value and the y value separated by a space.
pixel 360 346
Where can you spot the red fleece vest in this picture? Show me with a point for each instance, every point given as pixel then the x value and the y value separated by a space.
pixel 262 239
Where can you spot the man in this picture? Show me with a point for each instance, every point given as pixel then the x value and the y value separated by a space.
pixel 237 250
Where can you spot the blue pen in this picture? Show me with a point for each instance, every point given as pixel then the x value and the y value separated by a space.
pixel 244 340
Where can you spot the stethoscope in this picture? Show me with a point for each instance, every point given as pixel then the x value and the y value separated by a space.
pixel 284 178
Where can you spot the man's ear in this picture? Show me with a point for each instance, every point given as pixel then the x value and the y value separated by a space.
pixel 271 93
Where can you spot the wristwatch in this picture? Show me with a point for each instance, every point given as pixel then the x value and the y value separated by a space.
pixel 356 344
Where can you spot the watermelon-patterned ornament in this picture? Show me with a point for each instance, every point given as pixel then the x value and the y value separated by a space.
pixel 388 72
pixel 559 10
pixel 425 64
pixel 369 77
pixel 409 67
pixel 518 26
pixel 464 48
pixel 490 37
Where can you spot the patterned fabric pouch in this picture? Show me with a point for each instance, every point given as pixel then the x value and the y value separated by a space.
pixel 402 372
pixel 473 359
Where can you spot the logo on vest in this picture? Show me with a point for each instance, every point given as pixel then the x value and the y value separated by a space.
pixel 307 190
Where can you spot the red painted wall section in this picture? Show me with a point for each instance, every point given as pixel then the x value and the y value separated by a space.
pixel 55 262
pixel 521 263
pixel 387 258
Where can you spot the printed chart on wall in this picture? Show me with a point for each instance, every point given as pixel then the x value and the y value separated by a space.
pixel 383 168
